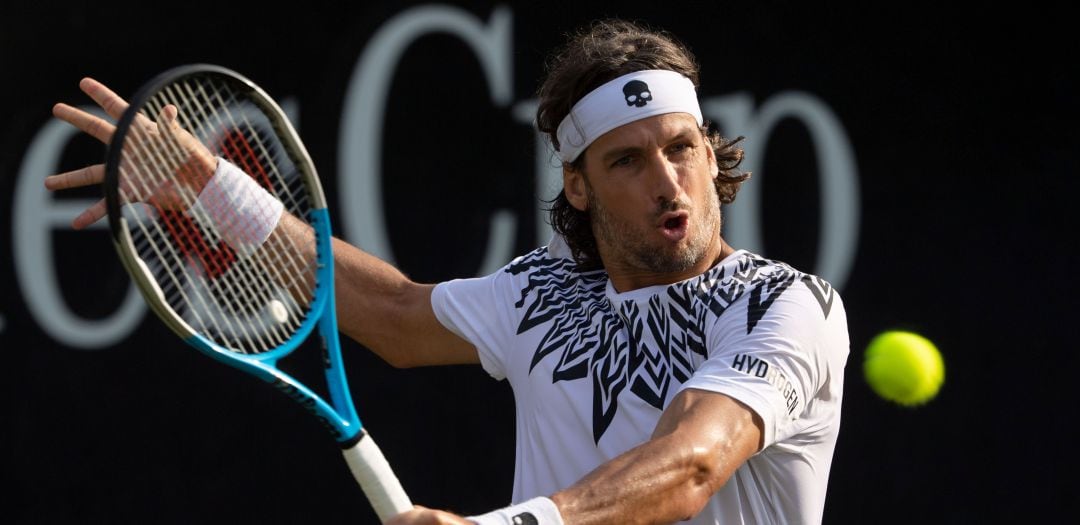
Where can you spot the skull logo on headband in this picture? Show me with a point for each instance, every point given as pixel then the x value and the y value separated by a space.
pixel 637 93
pixel 601 110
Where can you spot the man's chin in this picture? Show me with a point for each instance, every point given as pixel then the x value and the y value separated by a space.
pixel 671 259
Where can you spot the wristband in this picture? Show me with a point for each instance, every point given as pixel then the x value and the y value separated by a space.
pixel 537 511
pixel 241 211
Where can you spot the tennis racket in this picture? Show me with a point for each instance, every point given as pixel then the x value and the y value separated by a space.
pixel 243 302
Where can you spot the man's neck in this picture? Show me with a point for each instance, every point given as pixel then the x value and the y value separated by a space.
pixel 627 279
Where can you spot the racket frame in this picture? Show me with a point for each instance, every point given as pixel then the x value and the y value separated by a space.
pixel 339 416
pixel 366 462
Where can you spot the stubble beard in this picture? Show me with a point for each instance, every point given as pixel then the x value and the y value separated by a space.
pixel 630 245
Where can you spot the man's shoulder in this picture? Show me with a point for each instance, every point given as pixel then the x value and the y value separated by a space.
pixel 744 271
pixel 546 260
pixel 749 270
pixel 755 281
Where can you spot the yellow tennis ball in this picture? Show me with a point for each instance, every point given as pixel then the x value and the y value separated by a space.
pixel 904 367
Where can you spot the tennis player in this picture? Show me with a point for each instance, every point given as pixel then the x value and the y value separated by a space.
pixel 659 374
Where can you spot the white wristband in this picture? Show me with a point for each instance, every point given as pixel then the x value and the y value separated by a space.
pixel 537 511
pixel 241 211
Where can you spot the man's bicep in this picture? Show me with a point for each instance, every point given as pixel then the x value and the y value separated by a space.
pixel 441 346
pixel 481 311
pixel 412 335
pixel 381 308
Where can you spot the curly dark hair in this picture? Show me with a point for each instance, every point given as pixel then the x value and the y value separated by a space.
pixel 592 56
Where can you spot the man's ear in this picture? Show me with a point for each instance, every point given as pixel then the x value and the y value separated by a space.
pixel 574 188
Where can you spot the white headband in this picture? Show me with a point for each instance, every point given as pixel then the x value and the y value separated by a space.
pixel 631 97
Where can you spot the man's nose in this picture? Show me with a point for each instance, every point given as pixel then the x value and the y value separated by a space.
pixel 665 179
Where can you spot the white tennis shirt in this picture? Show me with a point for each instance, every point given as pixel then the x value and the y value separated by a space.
pixel 592 369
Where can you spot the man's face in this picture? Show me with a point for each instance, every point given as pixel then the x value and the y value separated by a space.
pixel 648 187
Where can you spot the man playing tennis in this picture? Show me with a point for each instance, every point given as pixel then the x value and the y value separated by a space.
pixel 659 374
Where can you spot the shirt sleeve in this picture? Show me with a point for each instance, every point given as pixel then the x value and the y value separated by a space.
pixel 776 364
pixel 481 311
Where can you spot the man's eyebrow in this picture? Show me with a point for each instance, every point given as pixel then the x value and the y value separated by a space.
pixel 685 133
pixel 618 153
pixel 609 156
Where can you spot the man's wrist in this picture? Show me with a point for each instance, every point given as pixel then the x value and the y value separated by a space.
pixel 536 511
pixel 241 211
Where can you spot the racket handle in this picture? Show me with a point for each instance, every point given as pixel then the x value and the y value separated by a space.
pixel 378 481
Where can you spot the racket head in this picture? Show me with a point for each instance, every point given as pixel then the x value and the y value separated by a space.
pixel 245 309
pixel 192 278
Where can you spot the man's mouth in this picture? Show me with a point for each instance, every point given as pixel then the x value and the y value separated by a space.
pixel 673 225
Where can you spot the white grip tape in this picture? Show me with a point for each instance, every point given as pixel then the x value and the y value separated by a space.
pixel 536 511
pixel 234 205
pixel 378 481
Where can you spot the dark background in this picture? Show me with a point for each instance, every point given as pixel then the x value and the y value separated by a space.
pixel 963 124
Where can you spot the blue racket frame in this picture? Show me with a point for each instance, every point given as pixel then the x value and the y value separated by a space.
pixel 339 415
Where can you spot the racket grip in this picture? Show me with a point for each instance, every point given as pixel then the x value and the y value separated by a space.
pixel 375 477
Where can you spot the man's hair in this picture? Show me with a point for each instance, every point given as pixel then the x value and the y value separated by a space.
pixel 591 57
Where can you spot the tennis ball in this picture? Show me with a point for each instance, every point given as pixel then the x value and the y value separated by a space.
pixel 904 367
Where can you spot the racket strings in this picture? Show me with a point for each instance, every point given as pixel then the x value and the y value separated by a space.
pixel 198 122
pixel 239 145
pixel 138 183
pixel 173 239
pixel 213 313
pixel 238 149
pixel 238 137
pixel 249 303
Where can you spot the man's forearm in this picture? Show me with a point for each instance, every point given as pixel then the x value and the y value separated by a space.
pixel 701 439
pixel 656 482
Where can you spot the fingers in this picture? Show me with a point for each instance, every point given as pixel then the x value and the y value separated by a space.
pixel 113 105
pixel 166 120
pixel 169 113
pixel 76 179
pixel 90 215
pixel 94 126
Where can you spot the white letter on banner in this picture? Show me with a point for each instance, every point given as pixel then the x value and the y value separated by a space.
pixel 36 213
pixel 360 146
pixel 836 165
